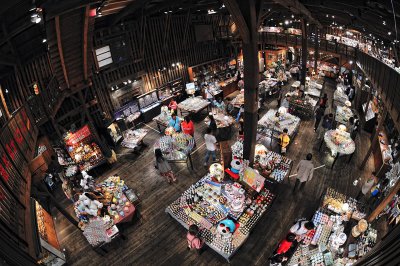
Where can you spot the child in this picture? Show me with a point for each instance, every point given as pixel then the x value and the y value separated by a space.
pixel 193 239
pixel 284 140
pixel 163 166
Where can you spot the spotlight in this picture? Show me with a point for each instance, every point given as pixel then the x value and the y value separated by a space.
pixel 286 22
pixel 35 18
pixel 125 82
pixel 350 62
pixel 129 81
pixel 173 64
pixel 389 33
pixel 44 40
pixel 6 91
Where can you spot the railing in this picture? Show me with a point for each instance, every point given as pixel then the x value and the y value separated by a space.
pixel 283 39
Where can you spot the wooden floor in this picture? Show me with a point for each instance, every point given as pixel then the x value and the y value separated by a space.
pixel 159 240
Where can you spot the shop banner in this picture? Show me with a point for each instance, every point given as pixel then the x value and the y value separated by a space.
pixel 76 137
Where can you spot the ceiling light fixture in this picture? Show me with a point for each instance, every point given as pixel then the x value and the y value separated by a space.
pixel 211 11
pixel 389 33
pixel 384 22
pixel 44 40
pixel 286 22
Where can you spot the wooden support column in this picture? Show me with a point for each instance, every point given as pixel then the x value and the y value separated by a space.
pixel 304 51
pixel 374 143
pixel 384 202
pixel 245 15
pixel 316 50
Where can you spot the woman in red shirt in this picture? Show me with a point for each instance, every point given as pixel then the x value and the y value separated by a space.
pixel 187 126
pixel 285 244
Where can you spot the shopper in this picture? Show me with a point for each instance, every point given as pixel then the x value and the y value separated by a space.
pixel 286 244
pixel 284 108
pixel 173 106
pixel 367 186
pixel 219 103
pixel 163 166
pixel 350 128
pixel 319 113
pixel 209 95
pixel 305 171
pixel 211 145
pixel 175 123
pixel 327 124
pixel 284 140
pixel 323 102
pixel 351 94
pixel 212 124
pixel 188 126
pixel 301 227
pixel 193 239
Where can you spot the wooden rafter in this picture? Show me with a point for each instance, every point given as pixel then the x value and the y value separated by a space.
pixel 296 7
pixel 85 42
pixel 60 49
pixel 132 7
pixel 234 10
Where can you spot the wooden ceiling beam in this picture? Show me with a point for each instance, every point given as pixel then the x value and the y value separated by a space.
pixel 298 8
pixel 132 7
pixel 85 42
pixel 60 49
pixel 8 60
pixel 240 22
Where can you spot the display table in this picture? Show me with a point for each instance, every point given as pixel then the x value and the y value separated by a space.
pixel 326 244
pixel 270 124
pixel 193 105
pixel 176 148
pixel 133 139
pixel 269 85
pixel 162 120
pixel 238 101
pixel 302 107
pixel 117 199
pixel 343 114
pixel 339 142
pixel 207 202
pixel 272 165
pixel 339 96
pixel 224 125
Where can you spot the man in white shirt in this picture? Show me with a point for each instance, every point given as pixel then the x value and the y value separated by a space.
pixel 211 143
pixel 301 227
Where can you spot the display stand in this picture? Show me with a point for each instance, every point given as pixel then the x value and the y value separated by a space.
pixel 340 143
pixel 186 210
pixel 193 106
pixel 382 154
pixel 83 149
pixel 176 148
pixel 162 121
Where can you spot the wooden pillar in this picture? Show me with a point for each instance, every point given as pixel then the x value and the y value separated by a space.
pixel 304 51
pixel 250 99
pixel 374 143
pixel 384 202
pixel 4 103
pixel 245 15
pixel 316 50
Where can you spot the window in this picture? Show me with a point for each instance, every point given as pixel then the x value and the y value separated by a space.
pixel 103 56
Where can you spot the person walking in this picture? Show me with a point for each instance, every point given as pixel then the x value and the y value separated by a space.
pixel 193 239
pixel 301 227
pixel 211 145
pixel 319 113
pixel 175 123
pixel 367 186
pixel 188 126
pixel 323 102
pixel 305 171
pixel 284 140
pixel 212 124
pixel 327 124
pixel 163 166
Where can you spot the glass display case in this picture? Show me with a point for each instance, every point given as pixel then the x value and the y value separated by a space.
pixel 149 105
